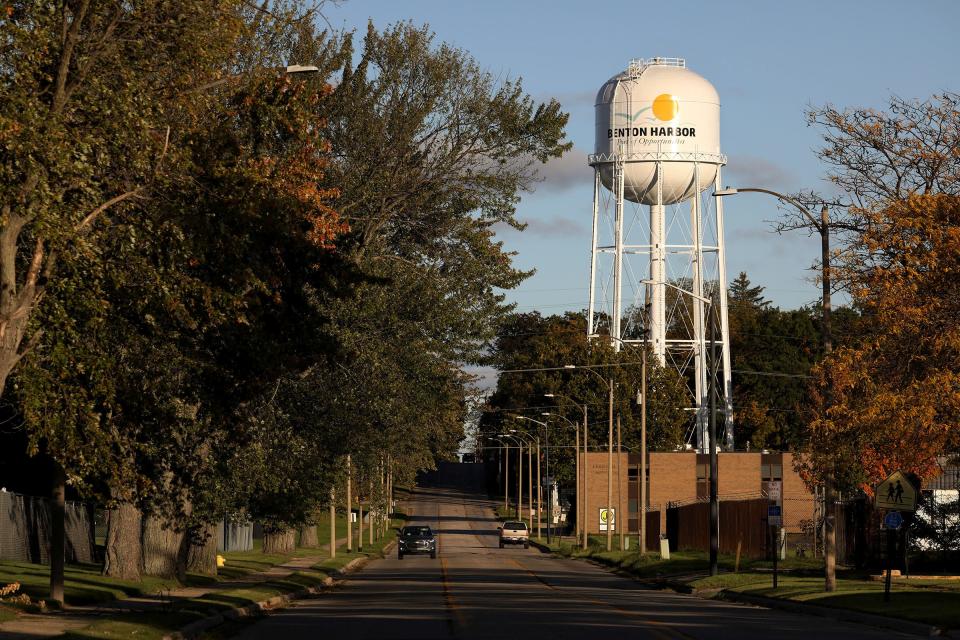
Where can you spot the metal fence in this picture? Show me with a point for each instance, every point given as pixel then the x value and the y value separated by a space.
pixel 25 530
pixel 234 536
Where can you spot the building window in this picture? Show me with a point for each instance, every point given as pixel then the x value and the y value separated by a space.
pixel 703 480
pixel 633 473
pixel 632 505
pixel 771 472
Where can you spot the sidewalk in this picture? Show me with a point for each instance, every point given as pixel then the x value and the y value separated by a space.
pixel 55 623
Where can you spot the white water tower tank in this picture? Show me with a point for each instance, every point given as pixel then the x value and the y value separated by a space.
pixel 658 109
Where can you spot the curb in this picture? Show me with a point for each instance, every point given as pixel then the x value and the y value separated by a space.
pixel 194 629
pixel 843 615
pixel 540 546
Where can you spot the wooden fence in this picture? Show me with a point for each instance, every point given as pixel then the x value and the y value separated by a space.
pixel 742 522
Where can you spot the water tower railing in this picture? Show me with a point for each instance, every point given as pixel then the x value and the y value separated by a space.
pixel 637 65
pixel 657 156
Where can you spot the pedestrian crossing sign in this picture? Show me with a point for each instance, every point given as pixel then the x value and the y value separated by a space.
pixel 898 492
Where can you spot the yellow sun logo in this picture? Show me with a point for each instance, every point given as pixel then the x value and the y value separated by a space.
pixel 666 106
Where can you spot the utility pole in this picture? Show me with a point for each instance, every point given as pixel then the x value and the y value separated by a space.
pixel 333 522
pixel 643 454
pixel 520 479
pixel 530 486
pixel 586 485
pixel 359 521
pixel 619 484
pixel 506 481
pixel 830 530
pixel 576 459
pixel 611 517
pixel 349 506
pixel 546 431
pixel 539 492
pixel 712 428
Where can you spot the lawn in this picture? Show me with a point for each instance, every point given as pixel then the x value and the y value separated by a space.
pixel 937 605
pixel 155 625
pixel 83 583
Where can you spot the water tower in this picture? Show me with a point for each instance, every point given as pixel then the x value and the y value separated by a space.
pixel 657 253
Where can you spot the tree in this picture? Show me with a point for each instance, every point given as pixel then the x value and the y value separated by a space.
pixel 896 396
pixel 544 345
pixel 137 395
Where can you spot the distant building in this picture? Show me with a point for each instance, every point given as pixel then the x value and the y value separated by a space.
pixel 683 477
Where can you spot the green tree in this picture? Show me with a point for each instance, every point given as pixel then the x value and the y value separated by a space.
pixel 544 345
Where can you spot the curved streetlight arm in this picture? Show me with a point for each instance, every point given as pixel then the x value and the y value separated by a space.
pixel 522 435
pixel 581 368
pixel 562 417
pixel 729 191
pixel 542 424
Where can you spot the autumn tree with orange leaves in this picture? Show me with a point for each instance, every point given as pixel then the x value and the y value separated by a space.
pixel 896 396
pixel 887 399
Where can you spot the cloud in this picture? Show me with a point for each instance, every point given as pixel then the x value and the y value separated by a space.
pixel 568 99
pixel 556 227
pixel 566 172
pixel 753 171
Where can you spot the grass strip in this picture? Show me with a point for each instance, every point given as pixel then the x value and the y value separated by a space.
pixel 155 624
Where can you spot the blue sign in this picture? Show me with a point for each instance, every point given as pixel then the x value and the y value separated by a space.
pixel 773 511
pixel 893 520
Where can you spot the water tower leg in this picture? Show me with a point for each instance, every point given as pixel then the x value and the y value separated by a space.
pixel 697 304
pixel 724 321
pixel 593 250
pixel 658 274
pixel 617 312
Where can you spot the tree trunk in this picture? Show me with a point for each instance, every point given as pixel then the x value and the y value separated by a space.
pixel 57 534
pixel 123 557
pixel 202 553
pixel 278 541
pixel 163 550
pixel 308 536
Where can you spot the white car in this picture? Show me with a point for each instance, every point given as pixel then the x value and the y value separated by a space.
pixel 514 532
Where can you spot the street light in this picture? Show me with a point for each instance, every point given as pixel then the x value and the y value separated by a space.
pixel 576 458
pixel 506 471
pixel 546 431
pixel 823 228
pixel 520 444
pixel 529 473
pixel 609 452
pixel 581 522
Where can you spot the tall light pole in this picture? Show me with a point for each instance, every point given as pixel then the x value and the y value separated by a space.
pixel 519 512
pixel 530 443
pixel 582 515
pixel 609 383
pixel 506 472
pixel 822 225
pixel 549 480
pixel 576 457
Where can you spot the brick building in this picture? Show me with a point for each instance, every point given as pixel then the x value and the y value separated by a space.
pixel 683 477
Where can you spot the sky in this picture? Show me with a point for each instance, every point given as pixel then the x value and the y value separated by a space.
pixel 769 61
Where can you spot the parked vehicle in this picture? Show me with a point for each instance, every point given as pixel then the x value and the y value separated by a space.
pixel 514 532
pixel 416 539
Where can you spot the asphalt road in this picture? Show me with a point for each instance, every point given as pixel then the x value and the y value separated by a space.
pixel 476 590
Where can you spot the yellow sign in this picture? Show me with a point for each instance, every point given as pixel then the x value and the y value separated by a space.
pixel 608 515
pixel 897 493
